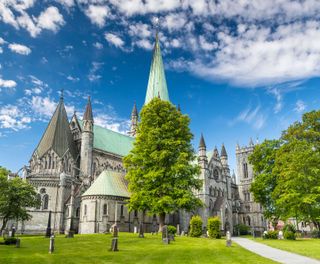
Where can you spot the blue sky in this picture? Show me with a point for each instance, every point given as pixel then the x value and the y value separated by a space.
pixel 239 69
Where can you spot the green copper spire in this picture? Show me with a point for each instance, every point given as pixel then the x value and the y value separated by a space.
pixel 157 85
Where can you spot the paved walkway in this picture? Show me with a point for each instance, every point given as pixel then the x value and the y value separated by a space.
pixel 273 253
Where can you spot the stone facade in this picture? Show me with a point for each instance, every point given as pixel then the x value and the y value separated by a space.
pixel 71 156
pixel 251 213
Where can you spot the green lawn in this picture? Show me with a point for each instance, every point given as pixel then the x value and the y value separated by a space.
pixel 307 247
pixel 95 249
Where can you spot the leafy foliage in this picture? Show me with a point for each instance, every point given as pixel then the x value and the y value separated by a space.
pixel 271 235
pixel 172 230
pixel 15 196
pixel 289 227
pixel 196 226
pixel 288 170
pixel 160 171
pixel 289 235
pixel 242 229
pixel 315 233
pixel 214 225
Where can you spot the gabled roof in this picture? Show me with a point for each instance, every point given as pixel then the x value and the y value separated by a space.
pixel 57 135
pixel 109 183
pixel 157 85
pixel 111 141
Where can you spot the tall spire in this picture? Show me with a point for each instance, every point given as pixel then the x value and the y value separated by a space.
pixel 223 151
pixel 202 144
pixel 88 113
pixel 157 85
pixel 134 120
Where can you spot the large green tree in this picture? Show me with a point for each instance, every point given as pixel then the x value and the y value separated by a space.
pixel 298 169
pixel 15 196
pixel 265 181
pixel 160 170
pixel 287 172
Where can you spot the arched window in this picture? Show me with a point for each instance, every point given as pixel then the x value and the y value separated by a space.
pixel 46 164
pixel 105 209
pixel 216 174
pixel 121 210
pixel 85 209
pixel 78 212
pixel 49 162
pixel 39 201
pixel 245 170
pixel 45 201
pixel 52 163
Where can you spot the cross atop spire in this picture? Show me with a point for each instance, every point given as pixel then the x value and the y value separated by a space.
pixel 157 84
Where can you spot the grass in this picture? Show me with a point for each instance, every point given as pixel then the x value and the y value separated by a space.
pixel 95 249
pixel 309 247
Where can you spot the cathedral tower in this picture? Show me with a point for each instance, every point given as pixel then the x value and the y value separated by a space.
pixel 224 156
pixel 87 144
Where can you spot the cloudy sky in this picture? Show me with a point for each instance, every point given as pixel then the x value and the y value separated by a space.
pixel 240 69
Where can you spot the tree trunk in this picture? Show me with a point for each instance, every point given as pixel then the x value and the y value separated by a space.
pixel 4 223
pixel 162 217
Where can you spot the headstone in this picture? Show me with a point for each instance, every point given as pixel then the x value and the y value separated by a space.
pixel 280 235
pixel 228 235
pixel 70 234
pixel 141 234
pixel 153 231
pixel 178 229
pixel 165 237
pixel 114 244
pixel 182 233
pixel 135 230
pixel 10 233
pixel 51 246
pixel 13 231
pixel 115 231
pixel 48 231
pixel 18 243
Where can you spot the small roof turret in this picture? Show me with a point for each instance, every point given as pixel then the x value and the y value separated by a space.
pixel 134 110
pixel 202 144
pixel 223 151
pixel 216 152
pixel 88 113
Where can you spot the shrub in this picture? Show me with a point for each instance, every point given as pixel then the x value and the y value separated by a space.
pixel 172 230
pixel 289 227
pixel 214 224
pixel 195 226
pixel 289 235
pixel 10 240
pixel 242 229
pixel 271 235
pixel 315 233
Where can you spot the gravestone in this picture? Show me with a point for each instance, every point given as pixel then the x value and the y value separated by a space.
pixel 178 229
pixel 70 234
pixel 51 245
pixel 135 230
pixel 18 243
pixel 114 244
pixel 48 231
pixel 165 237
pixel 13 231
pixel 228 235
pixel 141 234
pixel 115 231
pixel 182 233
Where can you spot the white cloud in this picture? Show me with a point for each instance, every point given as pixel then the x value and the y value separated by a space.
pixel 2 41
pixel 112 122
pixel 144 43
pixel 73 79
pixel 93 76
pixel 97 14
pixel 251 116
pixel 98 45
pixel 7 83
pixel 12 118
pixel 50 19
pixel 300 106
pixel 66 3
pixel 20 49
pixel 114 40
pixel 1 50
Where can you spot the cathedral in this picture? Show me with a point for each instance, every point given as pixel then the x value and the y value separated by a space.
pixel 78 173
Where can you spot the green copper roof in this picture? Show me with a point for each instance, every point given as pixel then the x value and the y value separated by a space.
pixel 157 85
pixel 57 135
pixel 109 183
pixel 111 141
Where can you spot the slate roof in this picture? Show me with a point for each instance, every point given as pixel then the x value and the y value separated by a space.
pixel 88 113
pixel 111 141
pixel 157 85
pixel 109 183
pixel 57 135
